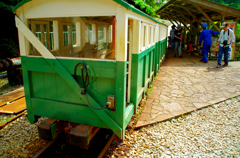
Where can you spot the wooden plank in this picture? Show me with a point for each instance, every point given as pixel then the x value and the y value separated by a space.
pixel 173 19
pixel 208 18
pixel 170 20
pixel 106 146
pixel 4 99
pixel 12 119
pixel 14 107
pixel 194 17
pixel 184 24
pixel 187 20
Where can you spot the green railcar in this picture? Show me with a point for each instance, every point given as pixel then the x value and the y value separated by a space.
pixel 87 62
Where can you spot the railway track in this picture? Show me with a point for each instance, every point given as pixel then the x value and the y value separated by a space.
pixel 59 148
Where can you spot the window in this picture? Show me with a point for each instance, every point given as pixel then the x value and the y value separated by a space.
pixel 154 34
pixel 150 35
pixel 144 35
pixel 110 33
pixel 67 34
pixel 79 37
pixel 41 30
pixel 160 33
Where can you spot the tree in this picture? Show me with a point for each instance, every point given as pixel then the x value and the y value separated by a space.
pixel 233 4
pixel 9 34
pixel 147 6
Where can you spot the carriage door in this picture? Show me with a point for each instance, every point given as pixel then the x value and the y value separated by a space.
pixel 41 30
pixel 129 57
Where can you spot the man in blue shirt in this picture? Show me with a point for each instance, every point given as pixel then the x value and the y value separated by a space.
pixel 207 41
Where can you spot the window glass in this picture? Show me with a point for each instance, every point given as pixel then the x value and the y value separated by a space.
pixel 154 35
pixel 144 35
pixel 150 34
pixel 160 31
pixel 110 33
pixel 80 37
pixel 74 42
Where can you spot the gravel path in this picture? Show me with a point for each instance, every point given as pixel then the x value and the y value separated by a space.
pixel 210 132
pixel 20 139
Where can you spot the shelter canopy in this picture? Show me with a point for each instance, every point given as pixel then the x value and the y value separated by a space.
pixel 189 11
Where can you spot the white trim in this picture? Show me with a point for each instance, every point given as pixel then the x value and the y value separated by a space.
pixel 33 39
pixel 150 36
pixel 136 36
pixel 22 47
pixel 154 34
pixel 55 35
pixel 143 40
pixel 130 34
pixel 69 8
pixel 147 36
pixel 121 34
pixel 78 34
pixel 136 16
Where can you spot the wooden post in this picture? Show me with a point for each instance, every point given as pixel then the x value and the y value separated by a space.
pixel 194 17
pixel 206 16
pixel 113 36
pixel 222 20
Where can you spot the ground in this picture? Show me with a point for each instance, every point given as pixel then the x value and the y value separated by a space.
pixel 213 131
pixel 5 87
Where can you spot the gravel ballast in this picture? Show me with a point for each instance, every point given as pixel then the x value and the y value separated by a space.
pixel 210 132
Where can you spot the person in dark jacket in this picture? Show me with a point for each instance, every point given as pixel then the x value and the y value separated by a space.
pixel 207 41
pixel 178 39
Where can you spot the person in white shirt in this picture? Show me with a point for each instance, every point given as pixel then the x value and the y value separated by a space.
pixel 226 40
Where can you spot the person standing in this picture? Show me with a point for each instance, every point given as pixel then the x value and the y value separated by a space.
pixel 226 40
pixel 207 41
pixel 178 39
pixel 172 36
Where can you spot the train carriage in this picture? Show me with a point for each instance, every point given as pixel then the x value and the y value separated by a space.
pixel 87 62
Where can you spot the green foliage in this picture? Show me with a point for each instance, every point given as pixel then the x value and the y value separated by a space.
pixel 230 3
pixel 238 33
pixel 234 4
pixel 7 117
pixel 147 6
pixel 9 34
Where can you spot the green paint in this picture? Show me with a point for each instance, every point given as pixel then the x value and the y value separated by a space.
pixel 121 94
pixel 67 112
pixel 129 113
pixel 96 68
pixel 54 131
pixel 27 90
pixel 134 81
pixel 20 4
pixel 143 65
pixel 62 87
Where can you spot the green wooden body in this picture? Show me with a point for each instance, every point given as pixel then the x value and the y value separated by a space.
pixel 145 66
pixel 50 94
